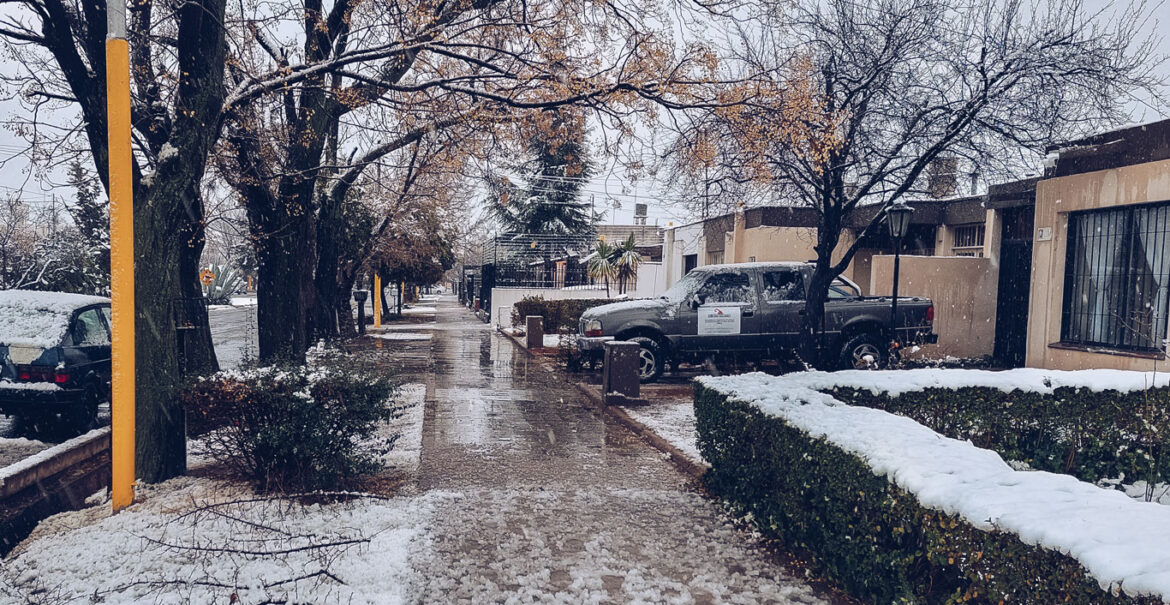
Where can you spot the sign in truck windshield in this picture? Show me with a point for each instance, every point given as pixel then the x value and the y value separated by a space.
pixel 718 320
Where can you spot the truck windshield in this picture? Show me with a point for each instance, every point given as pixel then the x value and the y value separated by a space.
pixel 683 287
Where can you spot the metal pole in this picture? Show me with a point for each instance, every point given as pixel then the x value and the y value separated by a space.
pixel 894 301
pixel 121 256
pixel 377 301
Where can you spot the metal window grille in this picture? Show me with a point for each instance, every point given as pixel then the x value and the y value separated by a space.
pixel 1117 278
pixel 969 240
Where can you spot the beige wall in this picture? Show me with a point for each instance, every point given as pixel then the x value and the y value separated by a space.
pixel 783 244
pixel 963 290
pixel 1055 198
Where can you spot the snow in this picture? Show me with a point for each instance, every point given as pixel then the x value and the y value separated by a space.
pixel 1122 543
pixel 47 387
pixel 418 310
pixel 402 336
pixel 38 319
pixel 193 540
pixel 554 340
pixel 1031 380
pixel 149 552
pixel 15 469
pixel 408 447
pixel 167 152
pixel 243 301
pixel 672 420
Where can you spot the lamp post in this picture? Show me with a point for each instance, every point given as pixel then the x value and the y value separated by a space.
pixel 898 220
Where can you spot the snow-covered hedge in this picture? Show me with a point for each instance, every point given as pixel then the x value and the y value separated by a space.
pixel 898 513
pixel 1092 424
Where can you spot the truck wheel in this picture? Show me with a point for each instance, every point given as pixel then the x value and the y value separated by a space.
pixel 864 352
pixel 651 359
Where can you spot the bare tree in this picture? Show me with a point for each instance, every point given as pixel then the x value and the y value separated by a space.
pixel 362 82
pixel 895 84
pixel 177 63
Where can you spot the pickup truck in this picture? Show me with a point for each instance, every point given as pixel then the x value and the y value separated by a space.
pixel 753 310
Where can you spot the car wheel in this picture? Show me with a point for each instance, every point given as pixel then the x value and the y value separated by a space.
pixel 864 352
pixel 651 359
pixel 84 416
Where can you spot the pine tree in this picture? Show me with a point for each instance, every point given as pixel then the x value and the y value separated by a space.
pixel 550 199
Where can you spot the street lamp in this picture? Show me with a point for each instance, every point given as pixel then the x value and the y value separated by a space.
pixel 898 221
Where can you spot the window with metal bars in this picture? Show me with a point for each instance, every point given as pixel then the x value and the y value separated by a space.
pixel 968 240
pixel 1117 278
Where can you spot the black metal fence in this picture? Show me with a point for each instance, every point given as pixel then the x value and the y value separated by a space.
pixel 522 260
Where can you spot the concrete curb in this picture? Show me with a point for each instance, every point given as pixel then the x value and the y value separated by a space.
pixel 684 463
pixel 47 463
pixel 680 460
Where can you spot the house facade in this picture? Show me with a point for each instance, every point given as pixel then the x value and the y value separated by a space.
pixel 1100 285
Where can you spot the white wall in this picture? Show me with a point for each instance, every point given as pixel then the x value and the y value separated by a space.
pixel 504 298
pixel 687 239
pixel 651 283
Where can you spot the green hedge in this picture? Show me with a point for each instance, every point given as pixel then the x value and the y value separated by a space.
pixel 863 531
pixel 1089 435
pixel 557 314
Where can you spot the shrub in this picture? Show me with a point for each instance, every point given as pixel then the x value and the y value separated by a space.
pixel 558 314
pixel 1089 435
pixel 295 427
pixel 866 533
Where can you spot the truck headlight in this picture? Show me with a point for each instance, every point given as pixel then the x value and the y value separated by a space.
pixel 593 328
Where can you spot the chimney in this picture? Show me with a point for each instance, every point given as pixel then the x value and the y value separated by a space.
pixel 942 177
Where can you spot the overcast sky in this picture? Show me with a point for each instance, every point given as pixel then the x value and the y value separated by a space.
pixel 608 188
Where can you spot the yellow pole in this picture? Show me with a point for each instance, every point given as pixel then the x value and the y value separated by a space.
pixel 121 254
pixel 377 301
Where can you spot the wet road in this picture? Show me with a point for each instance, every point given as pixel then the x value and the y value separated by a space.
pixel 549 502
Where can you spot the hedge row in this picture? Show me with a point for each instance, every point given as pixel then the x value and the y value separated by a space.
pixel 1075 431
pixel 872 537
pixel 557 314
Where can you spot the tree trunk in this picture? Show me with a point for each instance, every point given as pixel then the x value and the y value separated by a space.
pixel 325 319
pixel 160 423
pixel 284 292
pixel 346 328
pixel 197 356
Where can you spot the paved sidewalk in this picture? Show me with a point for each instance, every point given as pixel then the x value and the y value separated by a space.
pixel 551 503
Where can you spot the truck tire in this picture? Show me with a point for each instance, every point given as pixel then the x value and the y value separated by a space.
pixel 864 352
pixel 651 358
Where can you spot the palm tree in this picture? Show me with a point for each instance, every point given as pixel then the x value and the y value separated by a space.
pixel 602 265
pixel 626 261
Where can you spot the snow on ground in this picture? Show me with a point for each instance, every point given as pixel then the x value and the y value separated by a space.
pixel 196 539
pixel 674 421
pixel 418 310
pixel 548 544
pixel 193 540
pixel 1119 541
pixel 554 340
pixel 401 336
pixel 408 447
pixel 17 448
pixel 243 301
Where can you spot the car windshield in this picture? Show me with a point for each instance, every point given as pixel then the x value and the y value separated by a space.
pixel 683 288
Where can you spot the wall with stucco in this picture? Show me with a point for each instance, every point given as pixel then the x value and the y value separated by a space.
pixel 963 290
pixel 1055 199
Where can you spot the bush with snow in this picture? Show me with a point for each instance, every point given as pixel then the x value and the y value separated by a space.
pixel 900 514
pixel 295 427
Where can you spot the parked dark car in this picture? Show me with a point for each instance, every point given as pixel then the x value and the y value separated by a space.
pixel 54 356
pixel 753 310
